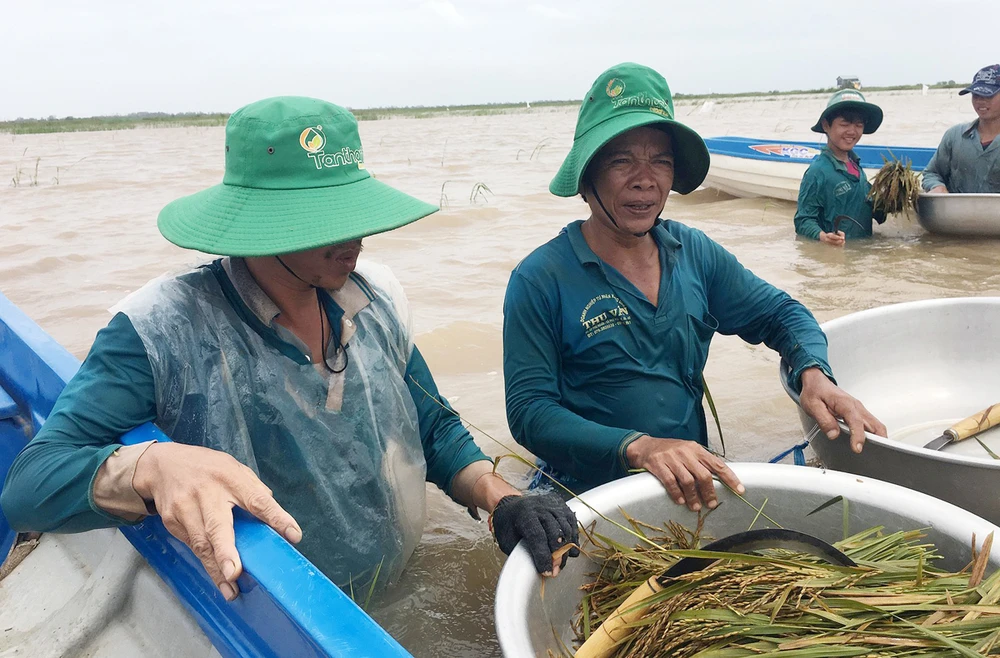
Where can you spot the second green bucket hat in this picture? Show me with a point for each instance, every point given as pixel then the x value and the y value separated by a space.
pixel 849 99
pixel 295 179
pixel 624 97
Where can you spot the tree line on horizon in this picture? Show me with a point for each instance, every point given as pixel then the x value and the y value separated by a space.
pixel 52 123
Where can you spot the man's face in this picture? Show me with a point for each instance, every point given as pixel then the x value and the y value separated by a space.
pixel 325 267
pixel 987 107
pixel 844 131
pixel 633 175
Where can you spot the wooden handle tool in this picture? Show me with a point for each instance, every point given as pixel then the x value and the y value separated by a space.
pixel 968 427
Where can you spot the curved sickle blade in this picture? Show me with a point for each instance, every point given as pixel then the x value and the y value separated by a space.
pixel 755 540
pixel 839 218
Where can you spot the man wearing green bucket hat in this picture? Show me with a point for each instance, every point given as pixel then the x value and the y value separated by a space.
pixel 285 373
pixel 833 203
pixel 607 326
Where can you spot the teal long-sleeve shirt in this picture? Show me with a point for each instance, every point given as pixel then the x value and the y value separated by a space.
pixel 828 190
pixel 962 165
pixel 590 364
pixel 49 485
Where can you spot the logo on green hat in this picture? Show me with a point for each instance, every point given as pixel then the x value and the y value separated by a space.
pixel 615 87
pixel 313 141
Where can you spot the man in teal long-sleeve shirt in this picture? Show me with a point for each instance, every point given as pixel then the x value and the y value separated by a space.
pixel 833 203
pixel 607 326
pixel 968 158
pixel 285 373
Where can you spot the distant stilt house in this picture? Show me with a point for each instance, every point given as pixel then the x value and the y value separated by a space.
pixel 848 82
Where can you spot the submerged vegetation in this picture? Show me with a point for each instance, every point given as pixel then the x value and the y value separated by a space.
pixel 478 193
pixel 26 174
pixel 53 124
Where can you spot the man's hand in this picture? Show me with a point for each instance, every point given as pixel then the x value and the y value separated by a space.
pixel 194 490
pixel 685 469
pixel 545 524
pixel 825 401
pixel 834 239
pixel 938 189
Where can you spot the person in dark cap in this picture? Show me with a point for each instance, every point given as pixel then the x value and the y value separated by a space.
pixel 968 158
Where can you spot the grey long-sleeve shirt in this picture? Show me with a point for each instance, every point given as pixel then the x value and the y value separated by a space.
pixel 962 165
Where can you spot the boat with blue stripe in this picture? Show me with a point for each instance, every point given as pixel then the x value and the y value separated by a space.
pixel 751 167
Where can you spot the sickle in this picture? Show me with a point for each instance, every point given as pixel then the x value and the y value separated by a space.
pixel 756 540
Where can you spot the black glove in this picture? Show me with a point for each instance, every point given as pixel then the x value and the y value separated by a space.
pixel 543 521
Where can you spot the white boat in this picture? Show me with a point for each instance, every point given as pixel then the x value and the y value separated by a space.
pixel 747 167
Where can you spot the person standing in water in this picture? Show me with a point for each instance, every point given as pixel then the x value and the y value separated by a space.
pixel 285 374
pixel 607 326
pixel 833 204
pixel 968 158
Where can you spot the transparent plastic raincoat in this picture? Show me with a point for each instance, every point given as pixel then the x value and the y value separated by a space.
pixel 341 452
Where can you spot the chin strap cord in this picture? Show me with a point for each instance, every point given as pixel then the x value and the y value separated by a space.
pixel 341 348
pixel 610 216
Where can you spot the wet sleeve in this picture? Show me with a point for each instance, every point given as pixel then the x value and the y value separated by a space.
pixel 756 311
pixel 537 417
pixel 936 171
pixel 49 485
pixel 810 205
pixel 448 446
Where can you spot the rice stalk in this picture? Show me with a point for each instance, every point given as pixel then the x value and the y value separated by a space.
pixel 895 188
pixel 536 152
pixel 16 180
pixel 715 414
pixel 793 605
pixel 479 191
pixel 987 448
pixel 443 201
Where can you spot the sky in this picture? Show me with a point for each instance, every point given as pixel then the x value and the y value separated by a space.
pixel 63 57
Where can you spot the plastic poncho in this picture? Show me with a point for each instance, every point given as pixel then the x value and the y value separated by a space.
pixel 341 453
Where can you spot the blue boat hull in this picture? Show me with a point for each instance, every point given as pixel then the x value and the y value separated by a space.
pixel 287 607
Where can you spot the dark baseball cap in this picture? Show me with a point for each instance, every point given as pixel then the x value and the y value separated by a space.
pixel 986 82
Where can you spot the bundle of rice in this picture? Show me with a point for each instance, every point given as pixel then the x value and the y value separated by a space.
pixel 793 605
pixel 895 188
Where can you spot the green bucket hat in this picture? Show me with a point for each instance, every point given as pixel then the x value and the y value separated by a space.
pixel 295 179
pixel 624 97
pixel 849 99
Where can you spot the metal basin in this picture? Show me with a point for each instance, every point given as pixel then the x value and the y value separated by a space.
pixel 960 214
pixel 527 625
pixel 919 367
